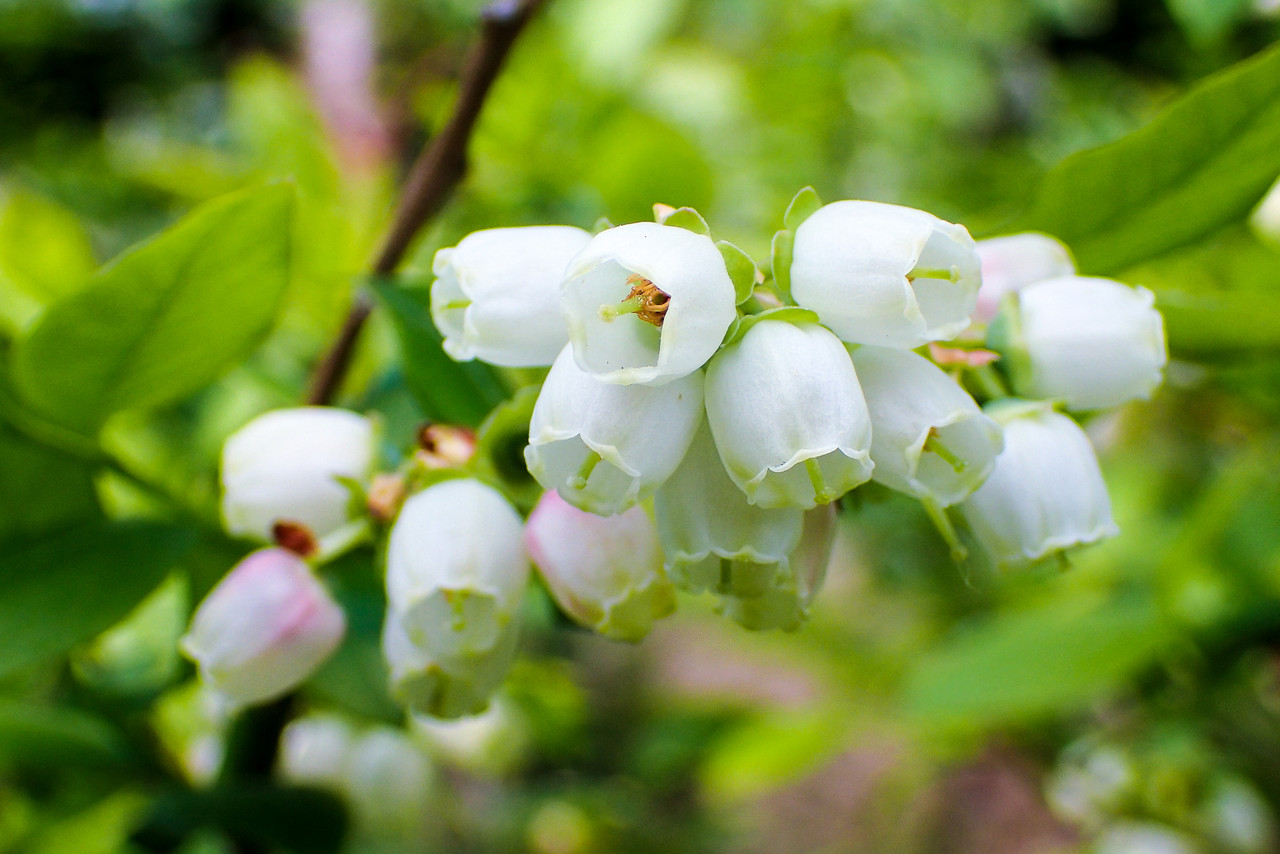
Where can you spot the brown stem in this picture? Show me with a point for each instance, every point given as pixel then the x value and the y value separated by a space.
pixel 438 169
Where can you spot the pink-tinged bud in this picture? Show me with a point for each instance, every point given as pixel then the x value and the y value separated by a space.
pixel 1012 262
pixel 604 571
pixel 441 446
pixel 264 629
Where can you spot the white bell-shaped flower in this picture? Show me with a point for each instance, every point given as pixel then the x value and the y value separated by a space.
pixel 456 568
pixel 604 571
pixel 445 685
pixel 883 274
pixel 788 416
pixel 605 446
pixel 287 465
pixel 785 604
pixel 1046 493
pixel 497 294
pixel 928 437
pixel 264 628
pixel 712 538
pixel 1012 262
pixel 647 303
pixel 1088 342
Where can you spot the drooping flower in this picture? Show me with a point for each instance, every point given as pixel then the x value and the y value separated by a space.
pixel 711 537
pixel 788 416
pixel 451 684
pixel 928 437
pixel 497 294
pixel 647 303
pixel 1088 342
pixel 286 467
pixel 1013 261
pixel 1046 494
pixel 785 603
pixel 605 446
pixel 456 568
pixel 604 571
pixel 264 628
pixel 885 275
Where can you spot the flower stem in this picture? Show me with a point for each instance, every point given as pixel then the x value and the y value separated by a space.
pixel 938 516
pixel 821 492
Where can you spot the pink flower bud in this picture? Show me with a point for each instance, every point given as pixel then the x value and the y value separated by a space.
pixel 264 629
pixel 604 571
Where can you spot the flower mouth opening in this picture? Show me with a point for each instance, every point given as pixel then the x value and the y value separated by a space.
pixel 646 301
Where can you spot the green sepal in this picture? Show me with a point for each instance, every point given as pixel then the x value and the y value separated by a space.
pixel 742 270
pixel 788 313
pixel 602 224
pixel 780 263
pixel 686 218
pixel 804 205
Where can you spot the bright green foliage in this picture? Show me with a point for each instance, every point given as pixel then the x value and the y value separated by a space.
pixel 165 318
pixel 448 391
pixel 1197 167
pixel 66 588
pixel 32 734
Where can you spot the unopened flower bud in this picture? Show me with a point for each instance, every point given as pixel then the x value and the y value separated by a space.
pixel 1088 342
pixel 287 465
pixel 264 629
pixel 604 571
pixel 605 446
pixel 928 437
pixel 456 568
pixel 883 274
pixel 389 781
pixel 1012 262
pixel 441 446
pixel 647 303
pixel 497 294
pixel 788 416
pixel 1046 494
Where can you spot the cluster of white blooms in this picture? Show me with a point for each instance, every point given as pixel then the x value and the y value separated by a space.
pixel 697 425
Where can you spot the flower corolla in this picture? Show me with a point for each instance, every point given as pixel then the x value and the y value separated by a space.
pixel 1046 494
pixel 928 437
pixel 264 628
pixel 1091 343
pixel 604 571
pixel 647 303
pixel 605 446
pixel 884 274
pixel 788 416
pixel 497 294
pixel 287 466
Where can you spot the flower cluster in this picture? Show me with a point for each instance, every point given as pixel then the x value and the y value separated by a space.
pixel 698 422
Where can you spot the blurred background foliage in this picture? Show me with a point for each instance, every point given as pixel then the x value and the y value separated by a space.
pixel 1131 704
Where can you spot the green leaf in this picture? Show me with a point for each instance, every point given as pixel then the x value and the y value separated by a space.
pixel 742 270
pixel 43 488
pixel 500 447
pixel 1206 20
pixel 780 263
pixel 44 255
pixel 1201 164
pixel 42 735
pixel 804 205
pixel 1221 325
pixel 165 318
pixel 1043 660
pixel 686 218
pixel 64 589
pixel 770 750
pixel 448 391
